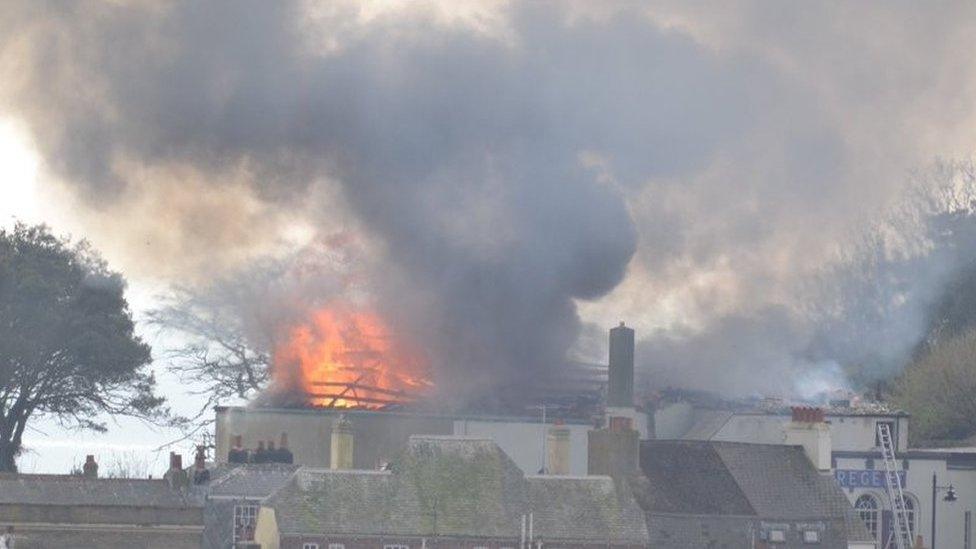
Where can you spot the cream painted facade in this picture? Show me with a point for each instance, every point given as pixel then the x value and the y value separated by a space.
pixel 378 436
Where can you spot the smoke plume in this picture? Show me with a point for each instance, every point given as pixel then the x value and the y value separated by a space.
pixel 507 162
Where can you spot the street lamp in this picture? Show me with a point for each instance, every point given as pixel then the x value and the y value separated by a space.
pixel 950 496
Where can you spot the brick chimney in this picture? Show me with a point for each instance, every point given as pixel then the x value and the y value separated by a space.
pixel 201 475
pixel 809 428
pixel 175 475
pixel 90 468
pixel 341 447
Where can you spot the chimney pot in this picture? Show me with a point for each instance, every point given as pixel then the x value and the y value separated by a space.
pixel 284 441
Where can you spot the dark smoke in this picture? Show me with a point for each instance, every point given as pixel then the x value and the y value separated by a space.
pixel 502 165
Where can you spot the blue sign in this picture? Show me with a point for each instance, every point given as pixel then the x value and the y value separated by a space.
pixel 871 478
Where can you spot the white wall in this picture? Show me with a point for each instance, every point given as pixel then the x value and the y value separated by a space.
pixel 309 431
pixel 522 441
pixel 847 433
pixel 949 516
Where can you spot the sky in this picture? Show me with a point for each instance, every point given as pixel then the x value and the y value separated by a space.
pixel 774 195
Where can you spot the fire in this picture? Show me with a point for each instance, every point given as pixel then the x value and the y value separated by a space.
pixel 347 357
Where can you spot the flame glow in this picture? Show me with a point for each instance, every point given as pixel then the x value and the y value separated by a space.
pixel 348 357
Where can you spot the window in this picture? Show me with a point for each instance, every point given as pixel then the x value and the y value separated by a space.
pixel 867 508
pixel 811 536
pixel 310 546
pixel 396 546
pixel 910 507
pixel 245 519
pixel 777 536
pixel 337 546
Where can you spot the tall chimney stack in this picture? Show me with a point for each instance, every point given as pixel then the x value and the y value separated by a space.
pixel 341 444
pixel 620 393
pixel 557 449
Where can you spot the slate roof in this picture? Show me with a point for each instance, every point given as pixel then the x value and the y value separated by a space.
pixel 455 486
pixel 708 424
pixel 590 508
pixel 76 490
pixel 728 479
pixel 249 480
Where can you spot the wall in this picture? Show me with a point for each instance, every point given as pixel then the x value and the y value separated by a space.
pixel 77 536
pixel 380 435
pixel 266 532
pixel 522 441
pixel 847 432
pixel 950 516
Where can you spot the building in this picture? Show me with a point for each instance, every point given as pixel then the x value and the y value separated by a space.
pixel 727 494
pixel 449 492
pixel 467 480
pixel 855 459
pixel 86 512
pixel 382 433
pixel 232 495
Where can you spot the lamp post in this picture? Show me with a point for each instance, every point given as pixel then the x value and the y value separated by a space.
pixel 950 497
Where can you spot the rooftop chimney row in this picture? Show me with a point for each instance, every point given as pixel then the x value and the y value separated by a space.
pixel 807 414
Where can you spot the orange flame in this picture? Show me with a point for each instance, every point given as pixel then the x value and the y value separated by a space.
pixel 345 357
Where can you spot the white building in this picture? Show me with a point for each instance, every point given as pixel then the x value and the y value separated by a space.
pixel 855 461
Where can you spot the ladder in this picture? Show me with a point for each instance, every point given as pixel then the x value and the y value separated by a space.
pixel 902 531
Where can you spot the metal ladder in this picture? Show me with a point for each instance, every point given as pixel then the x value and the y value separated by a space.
pixel 903 536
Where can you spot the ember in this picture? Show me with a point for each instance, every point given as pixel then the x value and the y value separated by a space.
pixel 344 357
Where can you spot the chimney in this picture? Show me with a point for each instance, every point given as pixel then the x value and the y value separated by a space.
pixel 237 453
pixel 176 476
pixel 808 428
pixel 200 473
pixel 90 468
pixel 283 451
pixel 200 459
pixel 340 456
pixel 613 451
pixel 557 449
pixel 620 393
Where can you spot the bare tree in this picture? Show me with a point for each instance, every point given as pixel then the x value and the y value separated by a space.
pixel 215 358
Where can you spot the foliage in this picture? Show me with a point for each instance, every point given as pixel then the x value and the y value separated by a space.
pixel 67 343
pixel 939 390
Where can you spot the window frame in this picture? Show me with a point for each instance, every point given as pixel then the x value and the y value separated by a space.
pixel 245 514
pixel 873 519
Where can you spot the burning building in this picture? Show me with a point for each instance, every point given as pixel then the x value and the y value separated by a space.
pixel 354 376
